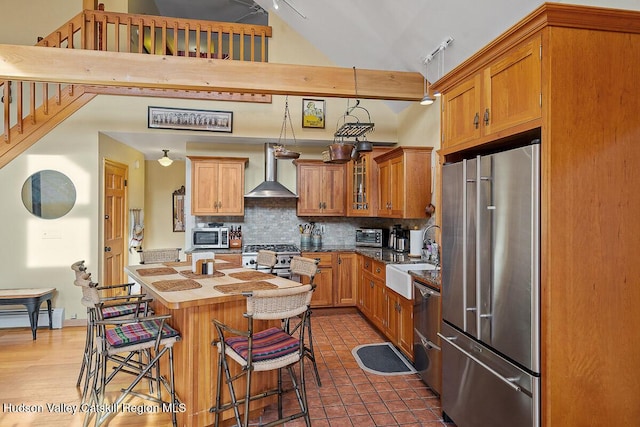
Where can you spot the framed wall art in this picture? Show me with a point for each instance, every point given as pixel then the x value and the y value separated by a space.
pixel 313 113
pixel 188 119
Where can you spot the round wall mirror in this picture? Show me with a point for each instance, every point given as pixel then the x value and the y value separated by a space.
pixel 48 194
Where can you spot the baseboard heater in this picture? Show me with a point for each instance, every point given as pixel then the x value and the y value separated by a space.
pixel 16 318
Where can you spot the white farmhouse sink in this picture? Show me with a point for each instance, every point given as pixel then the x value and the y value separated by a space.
pixel 399 279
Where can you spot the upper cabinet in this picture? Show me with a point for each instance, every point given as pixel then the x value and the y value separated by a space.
pixel 507 94
pixel 362 187
pixel 404 182
pixel 217 185
pixel 320 188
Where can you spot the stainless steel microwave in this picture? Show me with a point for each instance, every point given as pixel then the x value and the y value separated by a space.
pixel 210 237
pixel 373 237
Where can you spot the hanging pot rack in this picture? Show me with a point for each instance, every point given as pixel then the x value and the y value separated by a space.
pixel 279 150
pixel 354 129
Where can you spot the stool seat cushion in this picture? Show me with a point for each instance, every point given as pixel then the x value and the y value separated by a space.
pixel 120 310
pixel 269 344
pixel 135 333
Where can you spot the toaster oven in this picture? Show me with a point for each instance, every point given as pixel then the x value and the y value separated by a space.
pixel 373 237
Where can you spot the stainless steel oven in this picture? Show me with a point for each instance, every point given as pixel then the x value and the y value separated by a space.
pixel 426 342
pixel 284 254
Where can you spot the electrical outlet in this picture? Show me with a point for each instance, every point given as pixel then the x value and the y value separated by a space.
pixel 74 316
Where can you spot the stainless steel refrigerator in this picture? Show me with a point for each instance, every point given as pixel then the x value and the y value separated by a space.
pixel 490 289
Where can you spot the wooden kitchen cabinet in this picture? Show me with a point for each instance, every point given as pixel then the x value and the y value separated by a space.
pixel 503 95
pixel 345 267
pixel 589 157
pixel 399 328
pixel 321 188
pixel 404 182
pixel 323 295
pixel 362 188
pixel 217 185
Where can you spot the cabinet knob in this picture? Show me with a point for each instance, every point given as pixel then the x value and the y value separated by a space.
pixel 378 270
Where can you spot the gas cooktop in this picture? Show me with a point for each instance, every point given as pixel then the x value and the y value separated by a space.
pixel 276 247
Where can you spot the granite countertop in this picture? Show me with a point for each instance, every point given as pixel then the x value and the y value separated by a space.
pixel 218 251
pixel 429 277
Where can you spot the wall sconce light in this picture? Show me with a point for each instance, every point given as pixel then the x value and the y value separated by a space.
pixel 165 160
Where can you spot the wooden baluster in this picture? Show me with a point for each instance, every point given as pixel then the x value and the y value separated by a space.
pixel 164 38
pixel 32 98
pixel 187 37
pixel 253 44
pixel 7 111
pixel 152 31
pixel 263 47
pixel 116 33
pixel 19 123
pixel 175 38
pixel 220 56
pixel 128 44
pixel 45 98
pixel 231 56
pixel 70 35
pixel 209 53
pixel 141 36
pixel 241 56
pixel 198 29
pixel 58 93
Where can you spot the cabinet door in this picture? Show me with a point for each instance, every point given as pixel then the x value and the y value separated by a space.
pixel 332 189
pixel 204 182
pixel 397 185
pixel 384 189
pixel 512 89
pixel 405 326
pixel 346 278
pixel 368 291
pixel 231 189
pixel 323 295
pixel 461 113
pixel 392 309
pixel 378 309
pixel 309 189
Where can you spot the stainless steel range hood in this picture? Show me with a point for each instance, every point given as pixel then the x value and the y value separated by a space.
pixel 270 188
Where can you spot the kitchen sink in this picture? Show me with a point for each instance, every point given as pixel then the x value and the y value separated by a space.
pixel 398 277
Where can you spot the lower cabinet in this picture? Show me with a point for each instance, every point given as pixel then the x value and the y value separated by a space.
pixel 387 310
pixel 323 295
pixel 345 267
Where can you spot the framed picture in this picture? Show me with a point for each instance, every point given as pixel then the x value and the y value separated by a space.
pixel 313 113
pixel 187 119
pixel 178 209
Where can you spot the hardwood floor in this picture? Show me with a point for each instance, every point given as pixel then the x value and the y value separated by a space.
pixel 43 373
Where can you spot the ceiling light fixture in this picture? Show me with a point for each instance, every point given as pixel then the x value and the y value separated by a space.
pixel 428 99
pixel 276 5
pixel 165 160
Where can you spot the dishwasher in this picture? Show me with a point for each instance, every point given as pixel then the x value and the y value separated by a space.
pixel 426 342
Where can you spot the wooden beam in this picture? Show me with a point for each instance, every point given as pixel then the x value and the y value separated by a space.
pixel 86 67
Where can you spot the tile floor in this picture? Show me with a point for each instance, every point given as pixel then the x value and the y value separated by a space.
pixel 350 396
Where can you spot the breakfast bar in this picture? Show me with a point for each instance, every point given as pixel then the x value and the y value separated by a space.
pixel 193 300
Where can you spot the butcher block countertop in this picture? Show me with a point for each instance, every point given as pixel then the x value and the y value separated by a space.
pixel 175 286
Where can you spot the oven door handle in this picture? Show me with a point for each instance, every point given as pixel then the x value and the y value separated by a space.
pixel 508 381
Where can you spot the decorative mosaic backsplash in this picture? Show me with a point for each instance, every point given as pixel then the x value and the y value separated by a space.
pixel 275 221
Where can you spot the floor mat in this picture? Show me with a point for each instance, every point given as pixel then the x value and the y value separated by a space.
pixel 382 359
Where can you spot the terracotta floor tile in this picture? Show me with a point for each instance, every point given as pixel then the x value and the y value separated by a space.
pixel 350 396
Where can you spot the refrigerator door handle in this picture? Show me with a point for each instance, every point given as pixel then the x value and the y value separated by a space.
pixel 508 381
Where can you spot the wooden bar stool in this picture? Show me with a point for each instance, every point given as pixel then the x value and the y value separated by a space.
pixel 265 350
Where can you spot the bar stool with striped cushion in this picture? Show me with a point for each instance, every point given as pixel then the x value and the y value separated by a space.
pixel 118 341
pixel 270 349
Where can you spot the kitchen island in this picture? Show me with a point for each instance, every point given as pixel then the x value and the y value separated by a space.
pixel 193 300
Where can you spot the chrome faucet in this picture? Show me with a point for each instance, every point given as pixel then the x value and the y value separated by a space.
pixel 434 257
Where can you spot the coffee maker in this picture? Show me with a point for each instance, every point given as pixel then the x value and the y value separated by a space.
pixel 398 240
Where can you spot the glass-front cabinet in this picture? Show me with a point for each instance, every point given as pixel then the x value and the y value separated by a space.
pixel 362 175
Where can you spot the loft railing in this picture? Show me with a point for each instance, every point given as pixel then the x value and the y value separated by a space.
pixel 27 104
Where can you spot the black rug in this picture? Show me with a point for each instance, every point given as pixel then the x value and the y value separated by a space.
pixel 382 359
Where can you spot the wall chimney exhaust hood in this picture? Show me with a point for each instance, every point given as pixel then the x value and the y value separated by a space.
pixel 270 188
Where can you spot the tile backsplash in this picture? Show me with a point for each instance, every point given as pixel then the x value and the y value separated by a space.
pixel 275 221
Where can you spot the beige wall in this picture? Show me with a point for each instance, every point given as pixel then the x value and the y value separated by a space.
pixel 38 252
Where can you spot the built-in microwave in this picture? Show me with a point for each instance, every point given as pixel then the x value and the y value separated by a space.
pixel 210 237
pixel 373 237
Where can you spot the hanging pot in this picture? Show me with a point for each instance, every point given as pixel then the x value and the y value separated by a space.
pixel 355 154
pixel 363 145
pixel 340 153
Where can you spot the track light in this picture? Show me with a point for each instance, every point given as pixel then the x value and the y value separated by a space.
pixel 165 160
pixel 276 5
pixel 426 99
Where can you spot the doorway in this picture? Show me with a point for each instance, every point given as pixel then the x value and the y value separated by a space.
pixel 115 222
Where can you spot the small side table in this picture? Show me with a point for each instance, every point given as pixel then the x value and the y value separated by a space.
pixel 31 298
